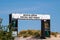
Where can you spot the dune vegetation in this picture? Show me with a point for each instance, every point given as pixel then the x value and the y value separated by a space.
pixel 33 33
pixel 29 33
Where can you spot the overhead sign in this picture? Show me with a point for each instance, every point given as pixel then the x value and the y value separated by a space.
pixel 30 16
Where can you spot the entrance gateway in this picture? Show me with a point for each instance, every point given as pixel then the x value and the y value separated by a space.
pixel 45 22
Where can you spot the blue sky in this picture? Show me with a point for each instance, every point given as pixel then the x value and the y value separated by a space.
pixel 51 7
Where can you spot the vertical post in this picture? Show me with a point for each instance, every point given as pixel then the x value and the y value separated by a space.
pixel 42 30
pixel 10 25
pixel 10 20
pixel 13 24
pixel 45 28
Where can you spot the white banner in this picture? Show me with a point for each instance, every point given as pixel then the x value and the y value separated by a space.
pixel 30 16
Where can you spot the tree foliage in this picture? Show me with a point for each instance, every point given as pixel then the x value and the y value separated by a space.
pixel 5 34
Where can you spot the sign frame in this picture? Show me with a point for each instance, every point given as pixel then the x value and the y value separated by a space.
pixel 42 17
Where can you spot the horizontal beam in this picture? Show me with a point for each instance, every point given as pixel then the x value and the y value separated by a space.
pixel 30 16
